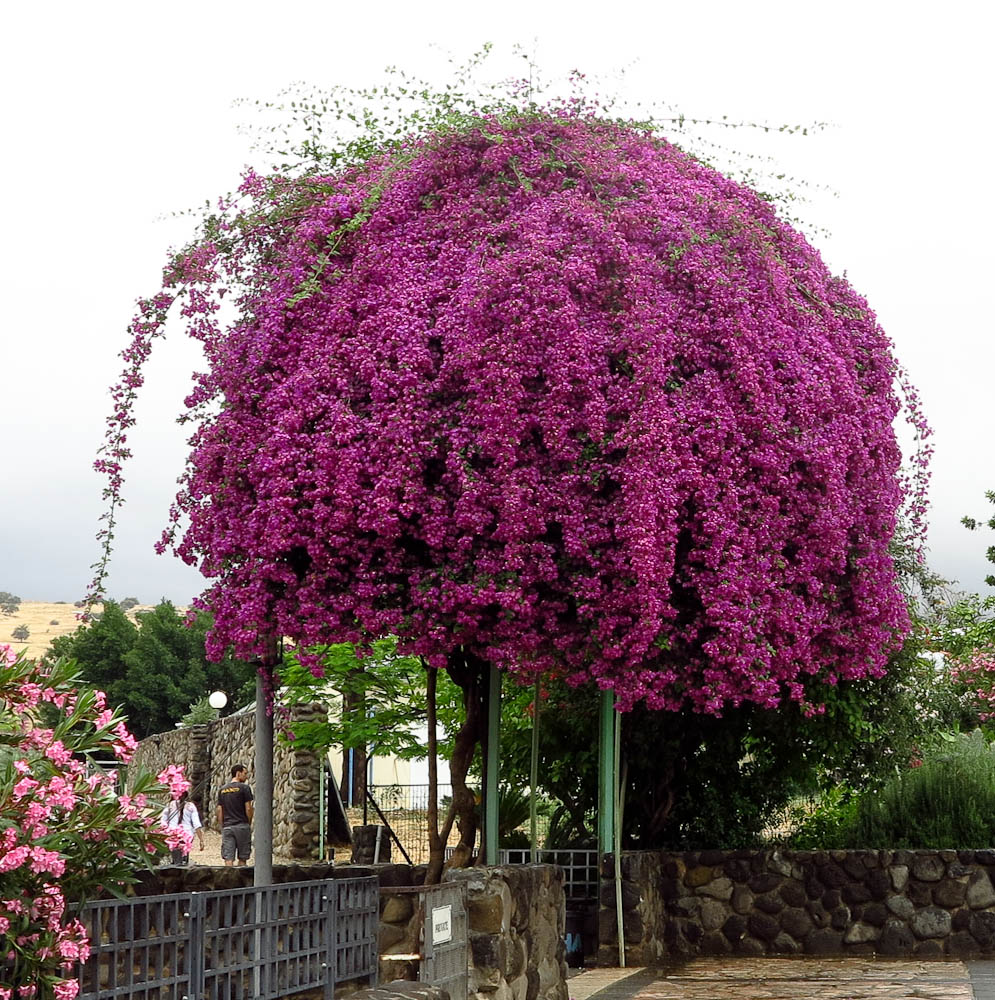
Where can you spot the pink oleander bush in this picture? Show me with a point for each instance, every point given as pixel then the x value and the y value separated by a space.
pixel 548 389
pixel 973 678
pixel 65 833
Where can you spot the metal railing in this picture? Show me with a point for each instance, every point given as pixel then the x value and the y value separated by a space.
pixel 580 868
pixel 256 943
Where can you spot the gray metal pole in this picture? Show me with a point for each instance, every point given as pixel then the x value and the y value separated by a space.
pixel 491 769
pixel 606 784
pixel 263 832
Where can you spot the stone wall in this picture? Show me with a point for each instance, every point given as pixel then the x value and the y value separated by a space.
pixel 516 927
pixel 208 752
pixel 926 904
pixel 205 878
pixel 517 924
pixel 190 748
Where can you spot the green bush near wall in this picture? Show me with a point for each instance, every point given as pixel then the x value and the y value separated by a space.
pixel 946 802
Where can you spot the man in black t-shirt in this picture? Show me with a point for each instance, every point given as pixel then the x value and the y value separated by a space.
pixel 234 816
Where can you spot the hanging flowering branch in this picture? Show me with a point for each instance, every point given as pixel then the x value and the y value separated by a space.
pixel 543 388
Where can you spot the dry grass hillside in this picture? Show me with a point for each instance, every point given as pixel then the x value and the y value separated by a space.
pixel 45 621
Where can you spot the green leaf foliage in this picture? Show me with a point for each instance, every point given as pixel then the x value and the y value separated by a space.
pixel 155 668
pixel 947 802
pixel 390 690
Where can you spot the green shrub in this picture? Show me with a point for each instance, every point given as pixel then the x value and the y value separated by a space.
pixel 948 801
pixel 825 827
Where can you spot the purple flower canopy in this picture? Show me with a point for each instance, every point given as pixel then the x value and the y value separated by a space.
pixel 552 391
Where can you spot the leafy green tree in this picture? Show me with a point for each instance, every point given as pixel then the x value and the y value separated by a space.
pixel 200 712
pixel 946 800
pixel 21 633
pixel 393 692
pixel 973 524
pixel 156 668
pixel 9 603
pixel 99 648
pixel 378 705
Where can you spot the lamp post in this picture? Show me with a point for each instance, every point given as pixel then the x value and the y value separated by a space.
pixel 217 700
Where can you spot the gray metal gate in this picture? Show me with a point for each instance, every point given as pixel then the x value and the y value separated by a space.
pixel 443 938
pixel 257 943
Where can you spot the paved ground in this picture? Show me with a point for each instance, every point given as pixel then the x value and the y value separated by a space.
pixel 791 979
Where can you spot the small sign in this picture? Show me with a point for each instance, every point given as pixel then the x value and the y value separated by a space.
pixel 442 924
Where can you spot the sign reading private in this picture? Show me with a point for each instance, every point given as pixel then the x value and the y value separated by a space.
pixel 442 924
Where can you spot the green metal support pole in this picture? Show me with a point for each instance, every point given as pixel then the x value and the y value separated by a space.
pixel 618 793
pixel 491 766
pixel 606 775
pixel 534 776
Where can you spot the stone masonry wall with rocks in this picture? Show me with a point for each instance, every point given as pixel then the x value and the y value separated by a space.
pixel 207 753
pixel 189 747
pixel 923 904
pixel 516 926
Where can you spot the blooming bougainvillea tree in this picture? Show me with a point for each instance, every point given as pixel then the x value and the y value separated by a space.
pixel 552 391
pixel 543 391
pixel 65 832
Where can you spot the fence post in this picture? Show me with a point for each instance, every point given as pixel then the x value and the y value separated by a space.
pixel 195 945
pixel 331 953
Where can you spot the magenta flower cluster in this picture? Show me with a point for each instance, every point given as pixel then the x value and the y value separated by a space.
pixel 553 391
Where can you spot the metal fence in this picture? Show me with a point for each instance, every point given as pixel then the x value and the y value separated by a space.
pixel 580 869
pixel 404 808
pixel 257 943
pixel 443 937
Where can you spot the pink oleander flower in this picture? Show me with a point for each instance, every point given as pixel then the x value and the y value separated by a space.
pixel 123 743
pixel 178 839
pixel 57 752
pixel 56 839
pixel 174 778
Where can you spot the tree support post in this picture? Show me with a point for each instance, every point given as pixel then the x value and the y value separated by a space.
pixel 534 776
pixel 606 781
pixel 491 766
pixel 262 873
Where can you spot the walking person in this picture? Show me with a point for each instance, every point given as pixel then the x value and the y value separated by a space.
pixel 234 816
pixel 182 814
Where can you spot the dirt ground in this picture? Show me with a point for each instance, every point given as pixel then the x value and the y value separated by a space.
pixel 211 855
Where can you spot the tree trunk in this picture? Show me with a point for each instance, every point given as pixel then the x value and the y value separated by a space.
pixel 436 843
pixel 353 782
pixel 470 674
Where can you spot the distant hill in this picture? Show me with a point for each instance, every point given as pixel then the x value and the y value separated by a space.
pixel 45 621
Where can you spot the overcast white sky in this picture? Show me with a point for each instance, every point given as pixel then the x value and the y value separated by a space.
pixel 116 115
